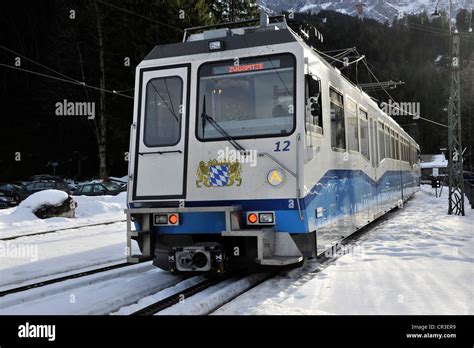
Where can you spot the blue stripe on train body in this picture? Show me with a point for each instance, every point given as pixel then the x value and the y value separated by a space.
pixel 339 193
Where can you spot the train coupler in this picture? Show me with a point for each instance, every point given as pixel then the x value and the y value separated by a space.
pixel 197 258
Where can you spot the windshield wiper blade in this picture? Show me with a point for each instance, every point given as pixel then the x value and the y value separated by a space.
pixel 206 118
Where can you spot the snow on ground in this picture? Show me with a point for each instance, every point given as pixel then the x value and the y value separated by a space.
pixel 419 261
pixel 36 200
pixel 101 293
pixel 33 258
pixel 20 220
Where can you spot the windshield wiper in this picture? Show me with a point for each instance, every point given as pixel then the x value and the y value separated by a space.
pixel 206 118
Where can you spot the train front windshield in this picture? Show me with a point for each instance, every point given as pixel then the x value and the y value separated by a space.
pixel 247 98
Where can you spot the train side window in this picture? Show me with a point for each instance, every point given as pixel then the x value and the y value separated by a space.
pixel 338 132
pixel 388 153
pixel 364 134
pixel 397 147
pixel 405 152
pixel 381 142
pixel 314 115
pixel 403 156
pixel 392 144
pixel 164 97
pixel 352 126
pixel 373 143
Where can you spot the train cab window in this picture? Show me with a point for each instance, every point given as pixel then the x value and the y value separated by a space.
pixel 364 134
pixel 314 115
pixel 338 133
pixel 246 98
pixel 162 111
pixel 352 126
pixel 381 141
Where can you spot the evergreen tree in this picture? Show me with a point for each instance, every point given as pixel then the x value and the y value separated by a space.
pixel 232 10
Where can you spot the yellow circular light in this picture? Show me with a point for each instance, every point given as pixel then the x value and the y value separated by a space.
pixel 275 177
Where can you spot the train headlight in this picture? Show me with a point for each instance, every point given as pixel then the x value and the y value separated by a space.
pixel 276 177
pixel 266 218
pixel 216 45
pixel 161 219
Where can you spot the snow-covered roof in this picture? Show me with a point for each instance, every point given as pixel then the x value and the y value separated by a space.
pixel 433 161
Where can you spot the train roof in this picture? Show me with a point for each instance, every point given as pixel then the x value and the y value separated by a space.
pixel 196 40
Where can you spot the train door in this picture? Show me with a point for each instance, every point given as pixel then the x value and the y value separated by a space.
pixel 160 159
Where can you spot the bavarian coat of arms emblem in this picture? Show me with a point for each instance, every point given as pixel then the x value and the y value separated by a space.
pixel 218 174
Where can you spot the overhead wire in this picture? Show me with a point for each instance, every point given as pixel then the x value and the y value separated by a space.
pixel 65 80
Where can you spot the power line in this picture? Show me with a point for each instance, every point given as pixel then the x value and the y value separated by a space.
pixel 39 64
pixel 419 117
pixel 142 16
pixel 441 30
pixel 328 56
pixel 64 80
pixel 339 50
pixel 429 31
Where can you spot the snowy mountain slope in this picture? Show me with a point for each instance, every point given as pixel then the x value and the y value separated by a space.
pixel 381 10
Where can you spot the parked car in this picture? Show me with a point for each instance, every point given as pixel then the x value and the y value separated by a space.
pixel 42 185
pixel 468 177
pixel 8 200
pixel 98 189
pixel 119 181
pixel 46 177
pixel 19 192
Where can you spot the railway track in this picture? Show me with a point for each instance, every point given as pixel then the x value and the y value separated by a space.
pixel 62 279
pixel 59 230
pixel 324 257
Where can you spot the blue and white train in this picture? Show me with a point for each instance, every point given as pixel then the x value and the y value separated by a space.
pixel 248 148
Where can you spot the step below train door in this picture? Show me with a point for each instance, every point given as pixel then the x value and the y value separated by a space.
pixel 161 148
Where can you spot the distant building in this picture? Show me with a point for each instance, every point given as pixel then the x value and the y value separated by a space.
pixel 433 165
